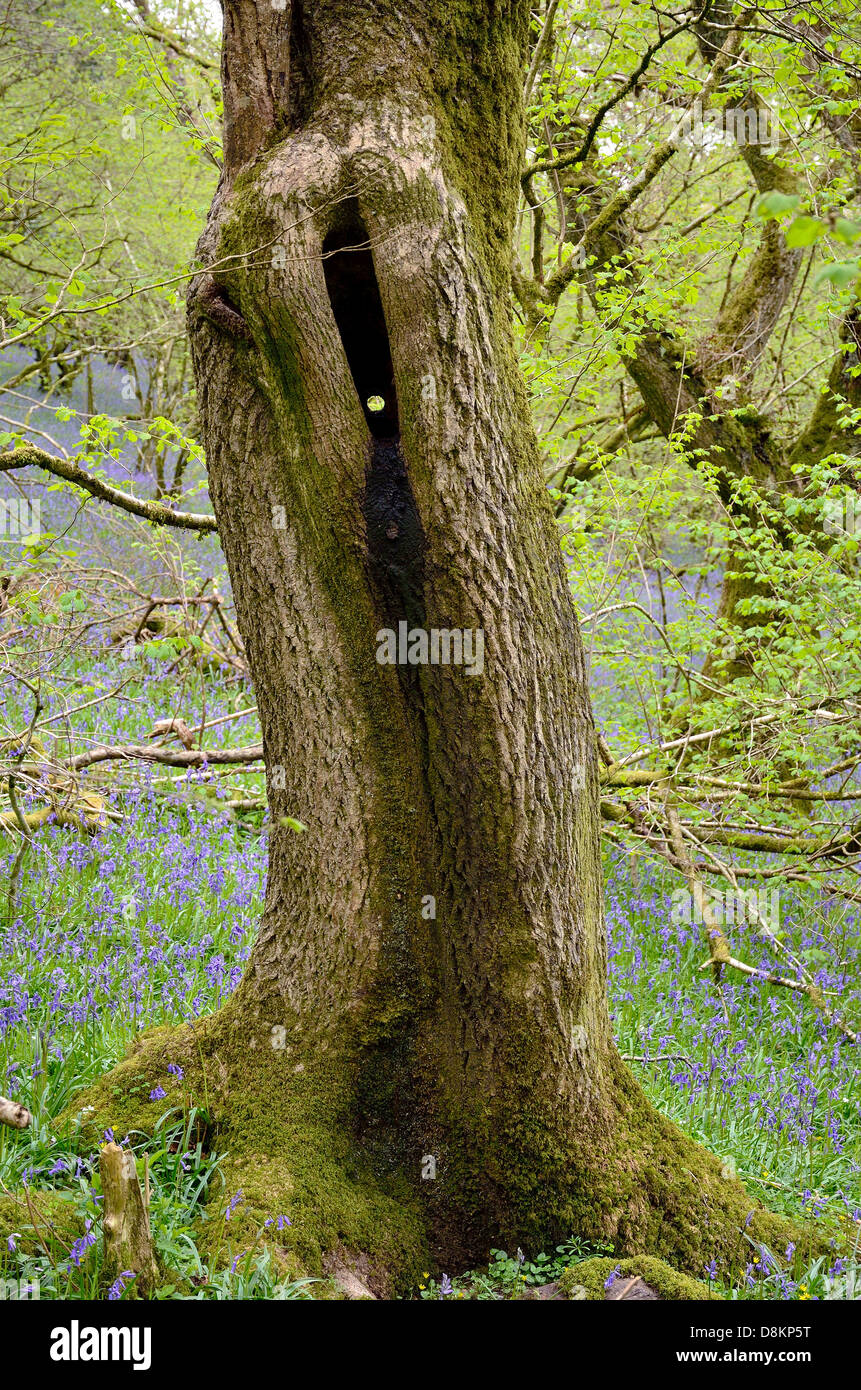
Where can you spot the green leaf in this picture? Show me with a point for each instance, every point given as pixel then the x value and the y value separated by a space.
pixel 841 274
pixel 775 204
pixel 73 602
pixel 804 231
pixel 847 230
pixel 160 647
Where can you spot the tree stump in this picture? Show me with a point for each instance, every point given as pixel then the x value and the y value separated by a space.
pixel 128 1241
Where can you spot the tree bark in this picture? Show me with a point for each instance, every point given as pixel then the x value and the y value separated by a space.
pixel 422 1035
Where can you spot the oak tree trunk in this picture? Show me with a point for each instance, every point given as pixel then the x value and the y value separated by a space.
pixel 423 1026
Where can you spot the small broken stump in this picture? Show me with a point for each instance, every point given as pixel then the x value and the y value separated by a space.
pixel 128 1240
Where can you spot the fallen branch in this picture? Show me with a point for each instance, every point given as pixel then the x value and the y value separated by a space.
pixel 766 842
pixel 88 821
pixel 173 757
pixel 13 1114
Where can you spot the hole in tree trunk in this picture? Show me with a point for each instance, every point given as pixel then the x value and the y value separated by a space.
pixel 395 536
pixel 355 297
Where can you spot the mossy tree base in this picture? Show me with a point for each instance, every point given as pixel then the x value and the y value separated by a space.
pixel 287 1127
pixel 288 1152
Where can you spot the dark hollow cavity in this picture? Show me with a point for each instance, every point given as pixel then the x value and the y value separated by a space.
pixel 355 298
pixel 395 536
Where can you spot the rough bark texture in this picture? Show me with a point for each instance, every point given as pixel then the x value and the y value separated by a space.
pixel 368 1035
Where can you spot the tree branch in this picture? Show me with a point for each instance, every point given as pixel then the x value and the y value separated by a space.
pixel 173 757
pixel 28 455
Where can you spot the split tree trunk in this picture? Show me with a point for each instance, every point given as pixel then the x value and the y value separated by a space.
pixel 429 981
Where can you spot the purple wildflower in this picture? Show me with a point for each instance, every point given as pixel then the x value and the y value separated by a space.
pixel 81 1246
pixel 233 1204
pixel 115 1292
